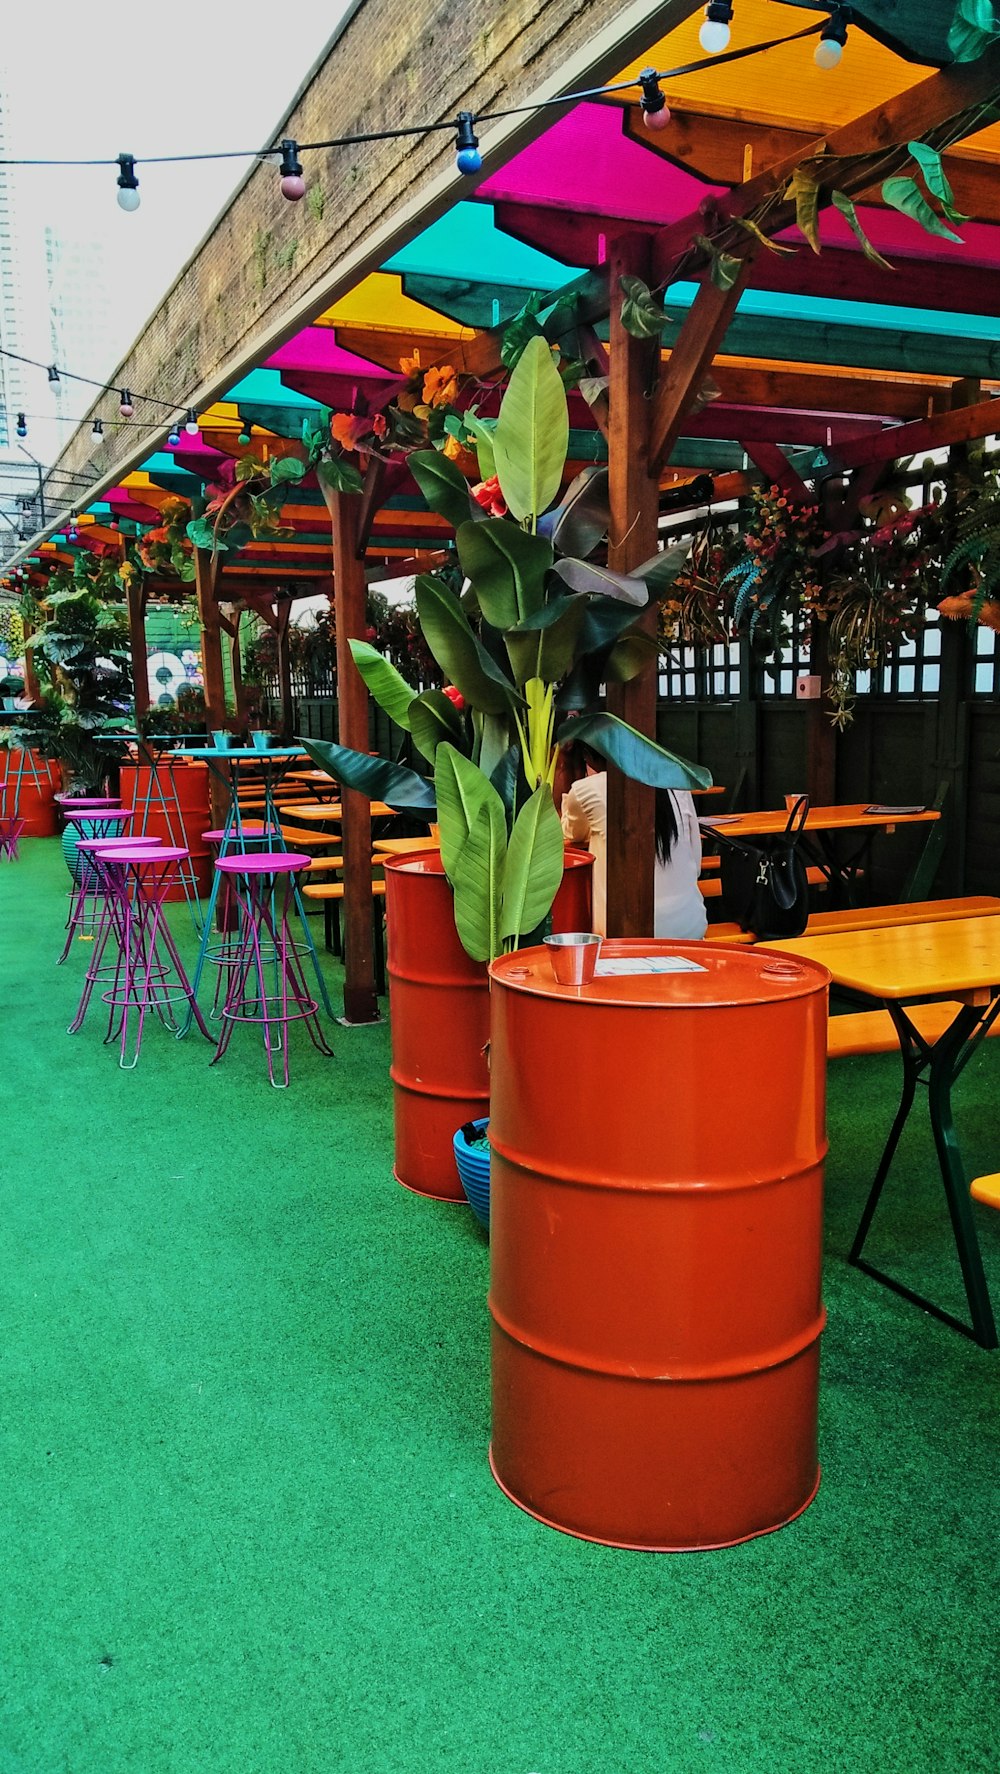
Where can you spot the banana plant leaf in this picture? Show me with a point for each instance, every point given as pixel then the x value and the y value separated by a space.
pixel 507 568
pixel 433 718
pixel 458 651
pixel 632 753
pixel 580 520
pixel 377 778
pixel 545 645
pixel 477 880
pixel 585 576
pixel 461 789
pixel 444 487
pixel 390 690
pixel 534 865
pixel 532 432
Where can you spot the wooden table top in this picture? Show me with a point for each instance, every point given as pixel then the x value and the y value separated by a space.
pixel 403 846
pixel 331 810
pixel 850 817
pixel 954 958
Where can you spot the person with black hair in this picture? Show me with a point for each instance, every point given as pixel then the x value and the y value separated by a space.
pixel 678 905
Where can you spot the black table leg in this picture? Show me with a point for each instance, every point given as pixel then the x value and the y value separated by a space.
pixel 938 1064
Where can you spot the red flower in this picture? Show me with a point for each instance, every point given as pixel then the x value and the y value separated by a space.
pixel 488 495
pixel 454 696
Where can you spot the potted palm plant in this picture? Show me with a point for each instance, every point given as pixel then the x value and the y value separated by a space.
pixel 525 650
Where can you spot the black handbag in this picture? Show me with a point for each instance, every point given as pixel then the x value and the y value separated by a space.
pixel 766 890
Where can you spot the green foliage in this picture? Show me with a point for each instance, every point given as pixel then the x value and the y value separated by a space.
pixel 842 202
pixel 390 690
pixel 340 475
pixel 642 314
pixel 632 752
pixel 973 30
pixel 803 191
pixel 80 651
pixel 905 195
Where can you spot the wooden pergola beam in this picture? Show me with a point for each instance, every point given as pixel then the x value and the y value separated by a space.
pixel 961 425
pixel 699 339
pixel 940 111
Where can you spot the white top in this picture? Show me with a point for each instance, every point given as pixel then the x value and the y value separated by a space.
pixel 678 905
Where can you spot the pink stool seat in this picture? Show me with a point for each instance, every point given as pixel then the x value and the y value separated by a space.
pixel 93 815
pixel 65 800
pixel 264 862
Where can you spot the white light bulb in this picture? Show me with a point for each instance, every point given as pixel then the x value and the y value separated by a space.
pixel 713 37
pixel 128 198
pixel 192 428
pixel 828 52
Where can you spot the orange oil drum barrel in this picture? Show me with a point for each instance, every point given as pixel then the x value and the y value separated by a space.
pixel 190 778
pixel 440 1015
pixel 655 1242
pixel 33 782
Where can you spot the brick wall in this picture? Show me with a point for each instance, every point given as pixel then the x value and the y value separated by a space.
pixel 270 266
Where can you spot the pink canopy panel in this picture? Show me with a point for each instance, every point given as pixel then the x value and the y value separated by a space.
pixel 587 164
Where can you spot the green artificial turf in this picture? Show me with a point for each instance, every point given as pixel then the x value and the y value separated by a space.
pixel 247 1524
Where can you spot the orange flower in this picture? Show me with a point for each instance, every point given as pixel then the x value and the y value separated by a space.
pixel 347 430
pixel 440 386
pixel 410 366
pixel 956 606
pixel 989 616
pixel 380 425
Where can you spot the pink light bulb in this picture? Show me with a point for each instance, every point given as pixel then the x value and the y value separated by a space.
pixel 657 119
pixel 293 186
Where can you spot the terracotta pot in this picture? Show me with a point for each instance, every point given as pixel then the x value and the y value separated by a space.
pixel 656 1243
pixel 440 1014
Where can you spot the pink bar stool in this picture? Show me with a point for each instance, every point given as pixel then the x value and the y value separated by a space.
pixel 85 893
pixel 222 952
pixel 266 984
pixel 110 886
pixel 152 974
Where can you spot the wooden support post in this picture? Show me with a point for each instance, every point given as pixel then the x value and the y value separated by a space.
pixel 349 599
pixel 136 598
pixel 282 614
pixel 634 498
pixel 236 659
pixel 205 571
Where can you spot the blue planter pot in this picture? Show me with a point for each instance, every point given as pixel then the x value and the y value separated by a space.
pixel 474 1169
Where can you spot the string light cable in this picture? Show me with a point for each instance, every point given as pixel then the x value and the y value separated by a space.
pixel 714 38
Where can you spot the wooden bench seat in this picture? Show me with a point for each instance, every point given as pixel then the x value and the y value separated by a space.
pixel 872 1031
pixel 712 888
pixel 874 917
pixel 921 911
pixel 335 890
pixel 299 838
pixel 987 1189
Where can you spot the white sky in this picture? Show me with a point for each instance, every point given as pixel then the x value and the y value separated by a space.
pixel 99 78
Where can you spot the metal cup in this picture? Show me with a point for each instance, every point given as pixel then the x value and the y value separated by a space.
pixel 573 955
